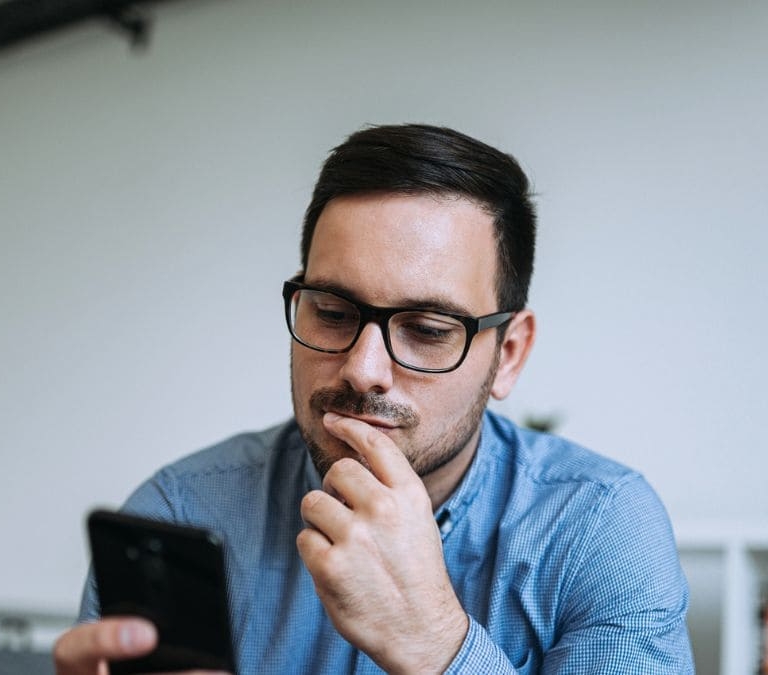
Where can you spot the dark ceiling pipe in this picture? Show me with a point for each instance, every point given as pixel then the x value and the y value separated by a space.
pixel 22 20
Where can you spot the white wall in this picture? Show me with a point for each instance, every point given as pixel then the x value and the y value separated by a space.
pixel 150 207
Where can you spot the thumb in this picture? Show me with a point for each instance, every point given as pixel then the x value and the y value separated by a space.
pixel 80 649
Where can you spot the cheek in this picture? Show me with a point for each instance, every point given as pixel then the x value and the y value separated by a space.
pixel 310 370
pixel 458 392
pixel 442 398
pixel 448 401
pixel 300 370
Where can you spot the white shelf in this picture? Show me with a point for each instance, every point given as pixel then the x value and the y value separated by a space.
pixel 738 552
pixel 692 534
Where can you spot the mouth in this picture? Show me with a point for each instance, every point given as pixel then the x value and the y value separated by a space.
pixel 374 409
pixel 378 423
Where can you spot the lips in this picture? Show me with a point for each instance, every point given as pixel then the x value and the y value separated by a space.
pixel 370 407
pixel 377 423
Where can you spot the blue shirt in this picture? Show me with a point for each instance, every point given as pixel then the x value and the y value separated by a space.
pixel 564 560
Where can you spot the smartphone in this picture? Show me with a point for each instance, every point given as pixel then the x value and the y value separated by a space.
pixel 172 575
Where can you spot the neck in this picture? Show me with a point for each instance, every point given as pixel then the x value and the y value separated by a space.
pixel 443 481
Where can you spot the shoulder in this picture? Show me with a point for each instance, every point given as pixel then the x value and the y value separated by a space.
pixel 595 525
pixel 546 459
pixel 559 487
pixel 246 450
pixel 234 474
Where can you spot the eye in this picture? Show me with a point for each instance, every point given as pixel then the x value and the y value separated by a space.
pixel 334 312
pixel 429 328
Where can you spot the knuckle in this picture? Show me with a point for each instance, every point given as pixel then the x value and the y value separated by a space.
pixel 357 531
pixel 373 437
pixel 84 643
pixel 104 638
pixel 310 500
pixel 344 466
pixel 384 507
pixel 302 539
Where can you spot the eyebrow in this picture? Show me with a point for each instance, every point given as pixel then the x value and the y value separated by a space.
pixel 430 303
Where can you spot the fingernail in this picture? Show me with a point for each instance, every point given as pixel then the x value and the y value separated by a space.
pixel 332 417
pixel 135 635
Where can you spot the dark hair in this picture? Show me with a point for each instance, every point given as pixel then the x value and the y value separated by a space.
pixel 422 159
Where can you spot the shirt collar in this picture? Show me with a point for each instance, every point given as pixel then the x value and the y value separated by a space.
pixel 454 508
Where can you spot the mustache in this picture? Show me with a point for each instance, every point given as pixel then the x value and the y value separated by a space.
pixel 347 400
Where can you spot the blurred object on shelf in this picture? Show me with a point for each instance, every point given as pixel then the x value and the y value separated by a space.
pixel 26 640
pixel 546 423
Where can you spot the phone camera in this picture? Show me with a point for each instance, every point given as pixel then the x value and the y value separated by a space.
pixel 154 545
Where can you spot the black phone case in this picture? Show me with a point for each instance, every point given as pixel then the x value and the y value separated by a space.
pixel 172 575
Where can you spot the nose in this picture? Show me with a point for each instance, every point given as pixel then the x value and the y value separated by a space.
pixel 367 366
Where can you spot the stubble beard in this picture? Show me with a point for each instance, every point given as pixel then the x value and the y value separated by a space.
pixel 423 460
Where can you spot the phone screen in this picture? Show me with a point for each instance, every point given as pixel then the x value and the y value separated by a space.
pixel 172 575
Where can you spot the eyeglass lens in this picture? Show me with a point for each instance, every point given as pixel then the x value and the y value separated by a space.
pixel 420 339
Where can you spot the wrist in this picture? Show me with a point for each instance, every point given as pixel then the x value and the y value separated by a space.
pixel 433 654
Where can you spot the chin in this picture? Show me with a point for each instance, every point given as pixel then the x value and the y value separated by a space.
pixel 325 450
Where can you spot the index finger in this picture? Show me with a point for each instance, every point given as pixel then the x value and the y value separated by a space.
pixel 385 460
pixel 81 648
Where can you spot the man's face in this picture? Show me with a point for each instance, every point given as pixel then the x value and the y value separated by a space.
pixel 393 250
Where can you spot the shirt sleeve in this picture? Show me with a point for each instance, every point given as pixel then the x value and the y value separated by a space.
pixel 625 597
pixel 622 599
pixel 150 499
pixel 479 654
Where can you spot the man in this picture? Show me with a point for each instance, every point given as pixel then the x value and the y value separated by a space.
pixel 396 524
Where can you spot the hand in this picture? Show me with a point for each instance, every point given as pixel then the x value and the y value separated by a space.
pixel 374 552
pixel 85 649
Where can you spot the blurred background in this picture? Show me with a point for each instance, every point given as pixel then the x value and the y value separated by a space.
pixel 151 196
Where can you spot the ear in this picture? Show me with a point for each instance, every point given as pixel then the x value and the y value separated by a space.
pixel 515 347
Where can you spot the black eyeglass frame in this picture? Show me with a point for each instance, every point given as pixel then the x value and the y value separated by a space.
pixel 381 316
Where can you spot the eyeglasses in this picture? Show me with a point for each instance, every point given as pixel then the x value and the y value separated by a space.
pixel 426 340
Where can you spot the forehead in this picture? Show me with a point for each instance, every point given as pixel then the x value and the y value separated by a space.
pixel 396 249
